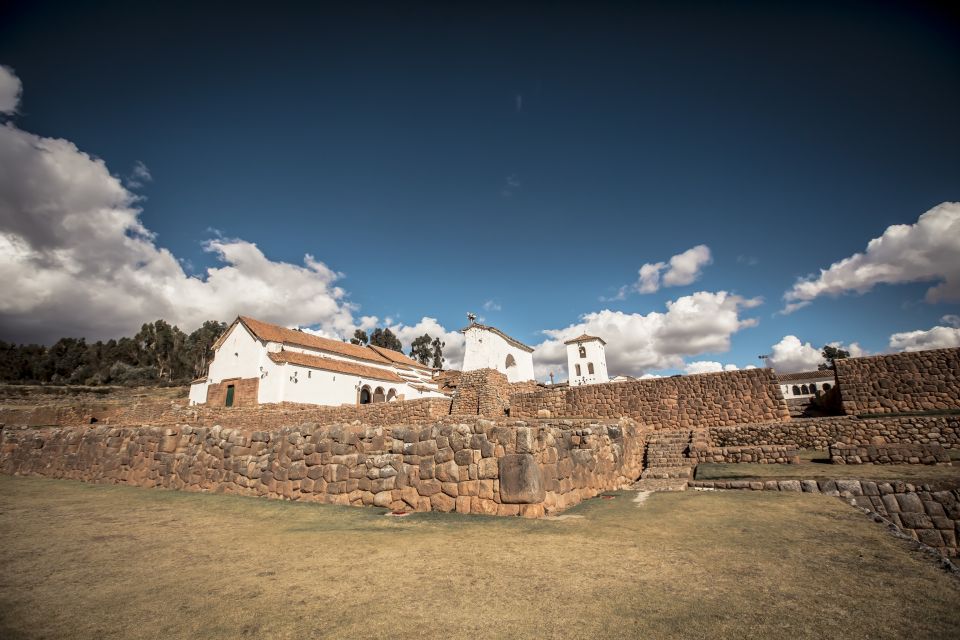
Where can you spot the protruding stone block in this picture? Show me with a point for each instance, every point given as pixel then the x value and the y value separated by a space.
pixel 521 480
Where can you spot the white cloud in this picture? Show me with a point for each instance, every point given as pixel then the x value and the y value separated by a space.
pixel 698 323
pixel 938 337
pixel 708 366
pixel 790 355
pixel 454 340
pixel 10 89
pixel 951 319
pixel 927 251
pixel 684 268
pixel 139 176
pixel 491 305
pixel 854 349
pixel 76 259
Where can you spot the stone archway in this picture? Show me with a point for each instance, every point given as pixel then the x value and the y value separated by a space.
pixel 379 395
pixel 365 396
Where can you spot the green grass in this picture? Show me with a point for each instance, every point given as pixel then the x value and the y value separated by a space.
pixel 92 561
pixel 812 470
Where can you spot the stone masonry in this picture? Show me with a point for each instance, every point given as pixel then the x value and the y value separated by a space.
pixel 900 382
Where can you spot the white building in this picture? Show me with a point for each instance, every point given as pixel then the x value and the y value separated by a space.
pixel 806 383
pixel 586 360
pixel 489 348
pixel 259 363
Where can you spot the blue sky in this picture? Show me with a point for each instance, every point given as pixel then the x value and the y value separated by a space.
pixel 532 157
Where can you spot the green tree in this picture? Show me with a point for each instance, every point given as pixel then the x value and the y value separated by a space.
pixel 421 349
pixel 198 346
pixel 385 338
pixel 360 337
pixel 831 355
pixel 438 353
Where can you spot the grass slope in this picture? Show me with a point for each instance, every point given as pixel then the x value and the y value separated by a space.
pixel 89 561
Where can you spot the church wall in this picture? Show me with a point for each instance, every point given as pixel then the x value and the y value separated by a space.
pixel 486 350
pixel 239 356
pixel 595 354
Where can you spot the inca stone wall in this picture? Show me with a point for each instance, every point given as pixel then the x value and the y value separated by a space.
pixel 476 467
pixel 486 392
pixel 889 454
pixel 900 382
pixel 253 418
pixel 919 511
pixel 820 433
pixel 245 392
pixel 687 402
pixel 766 454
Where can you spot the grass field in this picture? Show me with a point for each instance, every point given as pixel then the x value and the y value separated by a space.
pixel 89 561
pixel 915 473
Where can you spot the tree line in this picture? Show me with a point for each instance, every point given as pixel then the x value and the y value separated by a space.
pixel 160 353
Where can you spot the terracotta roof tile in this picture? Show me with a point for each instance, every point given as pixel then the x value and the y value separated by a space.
pixel 805 375
pixel 329 364
pixel 274 333
pixel 397 357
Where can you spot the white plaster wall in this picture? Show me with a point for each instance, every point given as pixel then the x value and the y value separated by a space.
pixel 486 350
pixel 239 356
pixel 787 389
pixel 596 354
pixel 198 392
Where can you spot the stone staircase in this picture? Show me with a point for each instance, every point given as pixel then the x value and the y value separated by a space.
pixel 666 465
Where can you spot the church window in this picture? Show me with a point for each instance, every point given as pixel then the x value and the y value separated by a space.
pixel 590 367
pixel 583 351
pixel 510 362
pixel 578 370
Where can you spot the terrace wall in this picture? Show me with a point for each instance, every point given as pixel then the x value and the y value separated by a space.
pixel 900 382
pixel 687 402
pixel 481 467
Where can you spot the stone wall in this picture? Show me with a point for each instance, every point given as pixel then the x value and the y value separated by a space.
pixel 477 467
pixel 929 516
pixel 245 392
pixel 686 402
pixel 249 418
pixel 900 382
pixel 486 392
pixel 820 433
pixel 889 454
pixel 766 454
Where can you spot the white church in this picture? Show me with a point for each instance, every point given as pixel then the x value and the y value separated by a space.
pixel 489 348
pixel 260 363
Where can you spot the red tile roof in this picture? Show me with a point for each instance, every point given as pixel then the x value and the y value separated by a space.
pixel 398 358
pixel 805 375
pixel 339 366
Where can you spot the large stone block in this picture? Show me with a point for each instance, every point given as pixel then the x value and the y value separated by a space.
pixel 521 480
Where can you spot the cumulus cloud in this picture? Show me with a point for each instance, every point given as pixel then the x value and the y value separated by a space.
pixel 790 355
pixel 76 259
pixel 698 323
pixel 10 89
pixel 454 340
pixel 927 251
pixel 708 366
pixel 938 337
pixel 682 269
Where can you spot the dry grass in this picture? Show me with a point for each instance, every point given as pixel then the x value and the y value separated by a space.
pixel 916 473
pixel 87 561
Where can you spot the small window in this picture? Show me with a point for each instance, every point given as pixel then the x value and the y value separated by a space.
pixel 590 367
pixel 510 362
pixel 230 392
pixel 583 351
pixel 796 390
pixel 578 370
pixel 309 374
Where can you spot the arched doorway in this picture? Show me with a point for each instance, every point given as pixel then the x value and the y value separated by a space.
pixel 365 397
pixel 378 395
pixel 391 395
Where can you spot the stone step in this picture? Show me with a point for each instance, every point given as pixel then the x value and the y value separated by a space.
pixel 667 472
pixel 660 484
